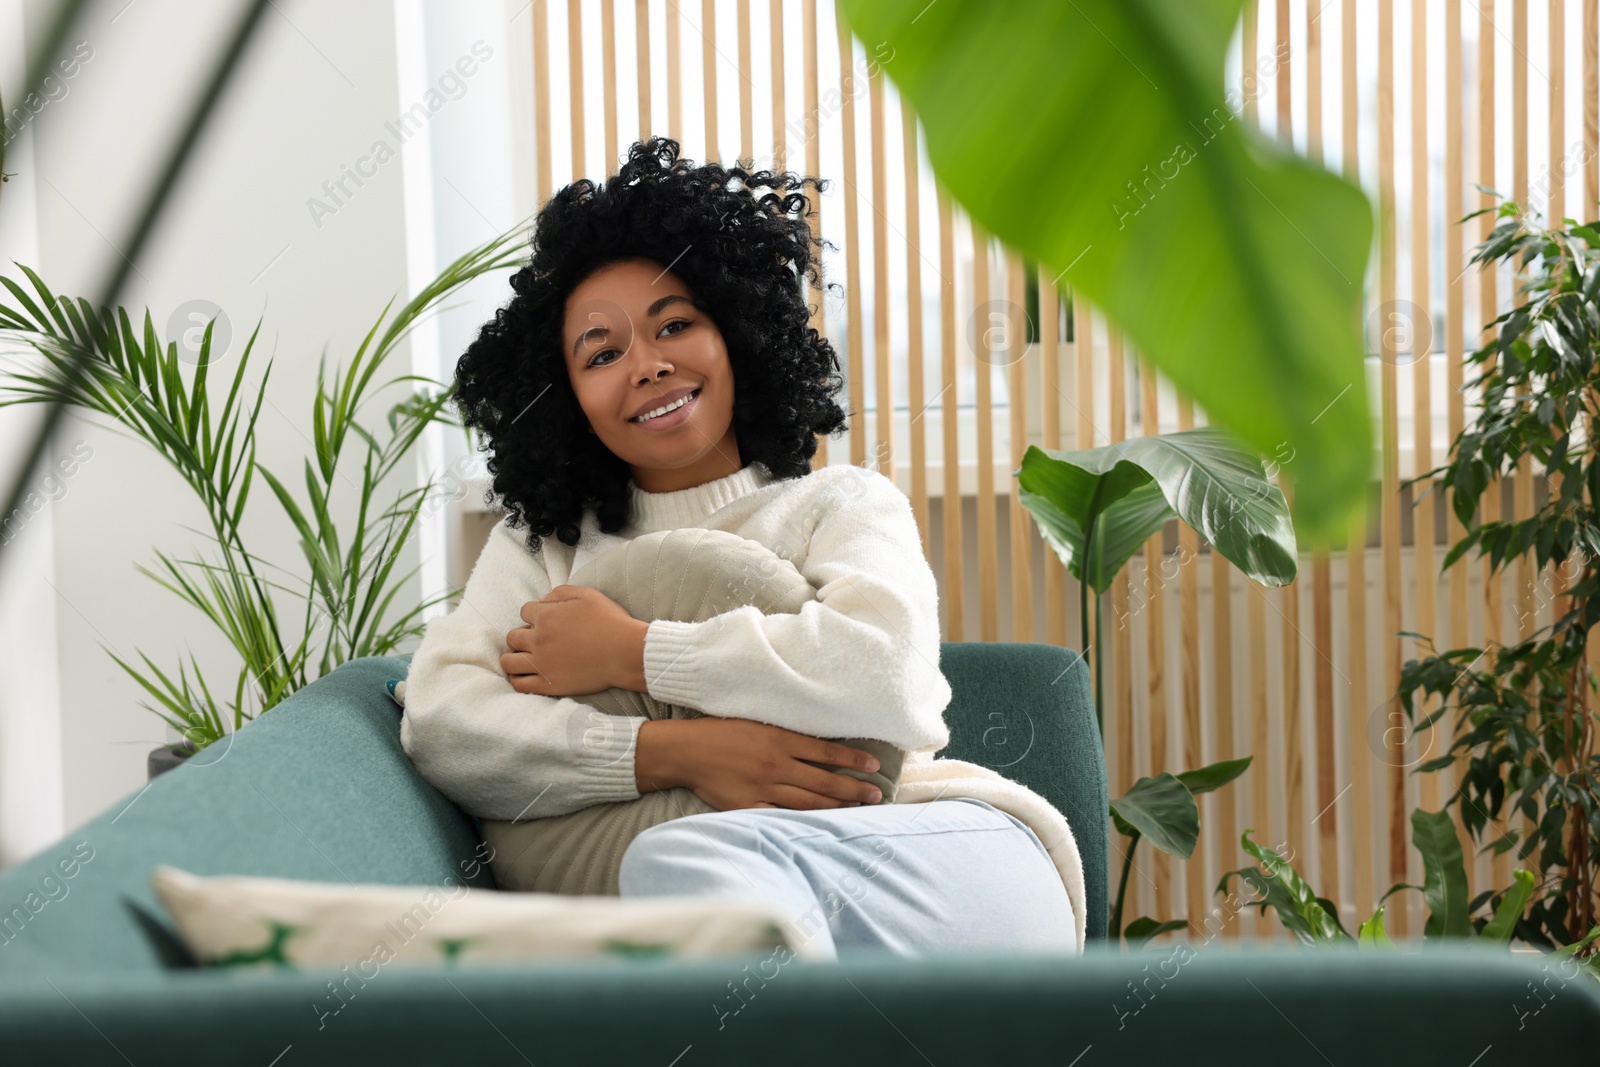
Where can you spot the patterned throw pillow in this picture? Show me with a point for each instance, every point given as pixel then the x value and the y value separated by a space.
pixel 233 921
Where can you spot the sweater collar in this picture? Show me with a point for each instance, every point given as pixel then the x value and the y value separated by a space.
pixel 687 507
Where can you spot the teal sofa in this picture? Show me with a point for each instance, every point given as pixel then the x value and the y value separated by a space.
pixel 319 788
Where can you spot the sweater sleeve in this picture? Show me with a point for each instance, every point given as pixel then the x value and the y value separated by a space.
pixel 498 753
pixel 861 660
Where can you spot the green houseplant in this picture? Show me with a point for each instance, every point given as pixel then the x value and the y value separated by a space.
pixel 103 364
pixel 1096 508
pixel 1525 727
pixel 1523 731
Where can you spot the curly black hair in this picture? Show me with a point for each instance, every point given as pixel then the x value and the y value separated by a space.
pixel 741 255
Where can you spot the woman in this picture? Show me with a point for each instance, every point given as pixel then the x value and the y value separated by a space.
pixel 657 371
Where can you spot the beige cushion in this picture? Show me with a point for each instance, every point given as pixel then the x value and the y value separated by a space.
pixel 686 575
pixel 278 922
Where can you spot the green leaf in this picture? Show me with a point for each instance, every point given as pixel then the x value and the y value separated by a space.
pixel 1144 928
pixel 1163 810
pixel 1232 263
pixel 1444 874
pixel 1512 905
pixel 1299 908
pixel 1372 934
pixel 1217 775
pixel 1577 946
pixel 1098 506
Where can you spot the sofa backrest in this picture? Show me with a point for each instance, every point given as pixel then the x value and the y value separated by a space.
pixel 1026 711
pixel 317 788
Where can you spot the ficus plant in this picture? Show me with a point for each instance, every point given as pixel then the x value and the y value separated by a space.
pixel 1096 508
pixel 102 363
pixel 1524 733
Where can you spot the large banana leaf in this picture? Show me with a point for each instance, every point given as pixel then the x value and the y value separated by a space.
pixel 1098 506
pixel 1095 136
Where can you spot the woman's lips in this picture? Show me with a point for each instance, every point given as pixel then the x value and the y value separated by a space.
pixel 671 418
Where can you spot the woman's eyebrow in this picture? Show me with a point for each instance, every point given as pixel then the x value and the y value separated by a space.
pixel 651 312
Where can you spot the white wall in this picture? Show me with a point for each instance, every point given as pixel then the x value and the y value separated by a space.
pixel 312 96
pixel 31 798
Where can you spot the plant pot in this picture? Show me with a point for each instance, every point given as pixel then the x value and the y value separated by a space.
pixel 163 759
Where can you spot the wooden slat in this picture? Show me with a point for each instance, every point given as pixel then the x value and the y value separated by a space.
pixel 1289 596
pixel 1360 821
pixel 856 372
pixel 1195 874
pixel 1261 775
pixel 1454 354
pixel 1021 522
pixel 642 59
pixel 708 83
pixel 1260 735
pixel 883 447
pixel 1522 486
pixel 1227 799
pixel 1284 83
pixel 608 74
pixel 544 179
pixel 808 39
pixel 575 87
pixel 1489 510
pixel 1557 75
pixel 915 388
pixel 1084 437
pixel 1151 605
pixel 1119 718
pixel 1296 831
pixel 780 149
pixel 675 65
pixel 1424 564
pixel 1554 211
pixel 983 364
pixel 1326 821
pixel 1395 793
pixel 1591 105
pixel 747 137
pixel 1055 573
pixel 953 593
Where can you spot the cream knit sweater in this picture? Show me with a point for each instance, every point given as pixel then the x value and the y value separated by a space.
pixel 859 661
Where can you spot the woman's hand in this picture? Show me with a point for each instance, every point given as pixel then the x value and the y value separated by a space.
pixel 575 640
pixel 740 763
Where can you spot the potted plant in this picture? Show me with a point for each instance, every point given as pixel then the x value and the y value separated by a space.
pixel 1096 508
pixel 1525 728
pixel 101 363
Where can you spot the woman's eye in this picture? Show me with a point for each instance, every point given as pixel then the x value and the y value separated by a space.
pixel 675 322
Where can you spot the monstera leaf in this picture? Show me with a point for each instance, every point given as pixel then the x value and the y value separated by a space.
pixel 1096 137
pixel 1097 507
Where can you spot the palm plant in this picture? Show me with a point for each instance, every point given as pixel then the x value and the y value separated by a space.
pixel 101 363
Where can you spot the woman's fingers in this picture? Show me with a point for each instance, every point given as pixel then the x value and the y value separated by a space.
pixel 832 752
pixel 518 663
pixel 834 784
pixel 800 798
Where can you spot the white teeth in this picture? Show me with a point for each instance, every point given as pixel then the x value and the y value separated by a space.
pixel 675 405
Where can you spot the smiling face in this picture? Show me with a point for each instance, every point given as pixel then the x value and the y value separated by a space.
pixel 634 342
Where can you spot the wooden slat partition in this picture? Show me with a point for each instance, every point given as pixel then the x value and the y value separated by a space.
pixel 1199 663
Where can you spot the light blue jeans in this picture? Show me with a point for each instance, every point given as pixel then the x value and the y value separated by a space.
pixel 949 875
